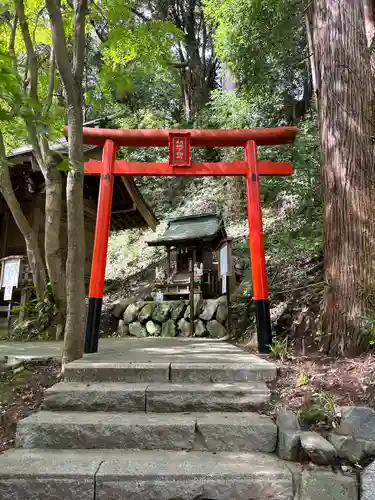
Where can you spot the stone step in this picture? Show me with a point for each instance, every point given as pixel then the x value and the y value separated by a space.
pixel 256 369
pixel 158 431
pixel 89 371
pixel 223 397
pixel 145 475
pixel 99 396
pixel 159 398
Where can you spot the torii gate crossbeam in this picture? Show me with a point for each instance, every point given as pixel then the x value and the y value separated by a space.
pixel 179 163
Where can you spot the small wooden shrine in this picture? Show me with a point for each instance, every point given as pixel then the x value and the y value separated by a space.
pixel 198 257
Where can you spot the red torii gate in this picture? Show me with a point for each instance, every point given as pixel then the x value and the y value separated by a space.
pixel 179 142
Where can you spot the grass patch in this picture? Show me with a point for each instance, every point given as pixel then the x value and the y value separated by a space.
pixel 4 333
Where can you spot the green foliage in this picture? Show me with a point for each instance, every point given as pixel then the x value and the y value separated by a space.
pixel 226 110
pixel 279 348
pixel 368 327
pixel 128 253
pixel 303 379
pixel 263 43
pixel 293 217
pixel 321 410
pixel 40 315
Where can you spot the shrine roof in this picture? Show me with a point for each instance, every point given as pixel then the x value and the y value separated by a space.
pixel 192 228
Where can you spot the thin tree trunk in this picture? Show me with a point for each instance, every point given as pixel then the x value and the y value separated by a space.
pixel 346 129
pixel 52 242
pixel 72 76
pixel 46 164
pixel 312 58
pixel 32 247
pixel 75 264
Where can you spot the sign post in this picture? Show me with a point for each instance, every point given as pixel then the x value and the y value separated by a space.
pixel 9 279
pixel 10 274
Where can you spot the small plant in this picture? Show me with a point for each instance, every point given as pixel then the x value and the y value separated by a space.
pixel 279 349
pixel 356 462
pixel 368 328
pixel 40 315
pixel 303 379
pixel 320 411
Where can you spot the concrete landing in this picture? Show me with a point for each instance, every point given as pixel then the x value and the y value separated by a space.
pixel 132 349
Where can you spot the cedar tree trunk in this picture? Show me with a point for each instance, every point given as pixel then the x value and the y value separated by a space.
pixel 345 100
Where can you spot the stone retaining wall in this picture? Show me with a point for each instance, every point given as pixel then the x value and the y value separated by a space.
pixel 336 464
pixel 172 318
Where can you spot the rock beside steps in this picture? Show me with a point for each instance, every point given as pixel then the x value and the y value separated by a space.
pixel 138 431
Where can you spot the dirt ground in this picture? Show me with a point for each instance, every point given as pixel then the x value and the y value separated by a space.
pixel 21 393
pixel 343 381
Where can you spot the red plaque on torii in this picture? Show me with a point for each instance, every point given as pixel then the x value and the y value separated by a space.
pixel 179 149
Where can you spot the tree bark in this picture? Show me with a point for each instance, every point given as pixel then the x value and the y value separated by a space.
pixel 347 167
pixel 52 242
pixel 71 75
pixel 32 247
pixel 47 165
pixel 197 61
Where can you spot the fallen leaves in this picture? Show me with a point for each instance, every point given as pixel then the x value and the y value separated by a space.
pixel 21 394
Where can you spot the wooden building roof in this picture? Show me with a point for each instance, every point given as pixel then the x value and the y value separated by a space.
pixel 129 209
pixel 192 229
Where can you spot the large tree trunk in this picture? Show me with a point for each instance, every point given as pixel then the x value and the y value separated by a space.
pixel 346 129
pixel 32 247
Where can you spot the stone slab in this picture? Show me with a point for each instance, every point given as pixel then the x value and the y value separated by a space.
pixel 319 485
pixel 47 475
pixel 256 369
pixel 164 349
pixel 210 397
pixel 116 372
pixel 235 432
pixel 85 430
pixel 221 476
pixel 368 482
pixel 132 349
pixel 100 396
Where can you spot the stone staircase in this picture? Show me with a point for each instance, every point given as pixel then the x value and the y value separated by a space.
pixel 156 428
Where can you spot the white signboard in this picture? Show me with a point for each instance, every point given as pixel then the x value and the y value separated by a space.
pixel 223 260
pixel 9 276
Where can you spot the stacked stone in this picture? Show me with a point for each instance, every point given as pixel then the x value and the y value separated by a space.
pixel 338 455
pixel 172 318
